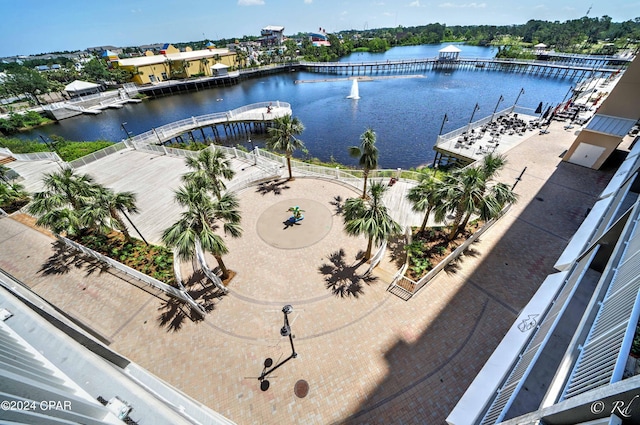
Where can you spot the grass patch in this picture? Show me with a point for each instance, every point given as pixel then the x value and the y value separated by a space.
pixel 68 150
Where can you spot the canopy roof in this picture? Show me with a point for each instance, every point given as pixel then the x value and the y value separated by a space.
pixel 540 46
pixel 219 66
pixel 78 85
pixel 450 49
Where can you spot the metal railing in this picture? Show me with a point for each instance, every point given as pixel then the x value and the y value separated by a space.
pixel 97 155
pixel 34 156
pixel 167 289
pixel 176 128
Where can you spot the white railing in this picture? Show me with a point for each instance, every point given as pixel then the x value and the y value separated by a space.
pixel 377 257
pixel 167 289
pixel 97 155
pixel 453 135
pixel 37 156
pixel 176 128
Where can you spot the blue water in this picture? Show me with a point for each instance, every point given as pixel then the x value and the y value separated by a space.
pixel 405 113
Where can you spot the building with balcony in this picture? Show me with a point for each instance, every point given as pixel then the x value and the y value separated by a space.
pixel 572 356
pixel 173 64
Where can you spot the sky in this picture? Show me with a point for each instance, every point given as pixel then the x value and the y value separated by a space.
pixel 42 26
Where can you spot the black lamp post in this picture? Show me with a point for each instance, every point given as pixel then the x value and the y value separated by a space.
pixel 444 121
pixel 284 331
pixel 496 108
pixel 475 109
pixel 125 130
pixel 53 146
pixel 518 98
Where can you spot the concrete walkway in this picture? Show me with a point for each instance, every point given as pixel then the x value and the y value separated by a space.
pixel 368 356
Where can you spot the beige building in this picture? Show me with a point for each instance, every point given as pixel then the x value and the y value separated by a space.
pixel 174 64
pixel 616 116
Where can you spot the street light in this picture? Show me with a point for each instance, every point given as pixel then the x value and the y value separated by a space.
pixel 496 108
pixel 286 332
pixel 444 120
pixel 475 108
pixel 125 130
pixel 517 98
pixel 253 150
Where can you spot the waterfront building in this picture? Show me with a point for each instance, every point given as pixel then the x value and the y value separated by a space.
pixel 272 35
pixel 319 38
pixel 572 355
pixel 615 117
pixel 173 64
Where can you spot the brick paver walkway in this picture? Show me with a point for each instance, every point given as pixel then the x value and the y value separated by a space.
pixel 370 358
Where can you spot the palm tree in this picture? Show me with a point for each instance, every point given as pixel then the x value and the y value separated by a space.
pixel 282 137
pixel 370 217
pixel 203 65
pixel 367 154
pixel 424 198
pixel 209 167
pixel 104 212
pixel 12 195
pixel 59 206
pixel 472 191
pixel 196 228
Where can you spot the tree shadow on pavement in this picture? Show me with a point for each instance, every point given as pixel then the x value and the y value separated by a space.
pixel 342 279
pixel 396 252
pixel 174 312
pixel 65 258
pixel 338 205
pixel 273 186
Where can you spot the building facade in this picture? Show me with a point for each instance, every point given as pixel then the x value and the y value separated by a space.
pixel 573 355
pixel 173 64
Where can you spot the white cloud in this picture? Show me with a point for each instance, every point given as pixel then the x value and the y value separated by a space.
pixel 415 3
pixel 308 1
pixel 473 5
pixel 250 2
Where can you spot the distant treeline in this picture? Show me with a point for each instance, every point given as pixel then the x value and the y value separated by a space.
pixel 571 36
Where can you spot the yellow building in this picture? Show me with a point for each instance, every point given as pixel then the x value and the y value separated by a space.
pixel 176 65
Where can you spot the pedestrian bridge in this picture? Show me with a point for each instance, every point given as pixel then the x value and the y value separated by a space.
pixel 263 112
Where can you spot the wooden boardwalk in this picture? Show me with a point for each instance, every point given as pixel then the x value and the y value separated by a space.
pixel 257 113
pixel 558 69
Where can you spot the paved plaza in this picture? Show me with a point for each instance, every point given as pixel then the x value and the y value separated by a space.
pixel 367 356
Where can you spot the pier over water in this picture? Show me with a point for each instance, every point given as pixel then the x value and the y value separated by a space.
pixel 561 67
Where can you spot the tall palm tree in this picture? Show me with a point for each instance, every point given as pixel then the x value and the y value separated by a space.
pixel 424 198
pixel 367 154
pixel 196 228
pixel 104 212
pixel 59 206
pixel 282 137
pixel 370 217
pixel 472 191
pixel 209 167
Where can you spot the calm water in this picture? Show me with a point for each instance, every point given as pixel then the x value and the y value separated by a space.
pixel 406 113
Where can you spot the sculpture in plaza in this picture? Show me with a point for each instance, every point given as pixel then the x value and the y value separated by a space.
pixel 296 214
